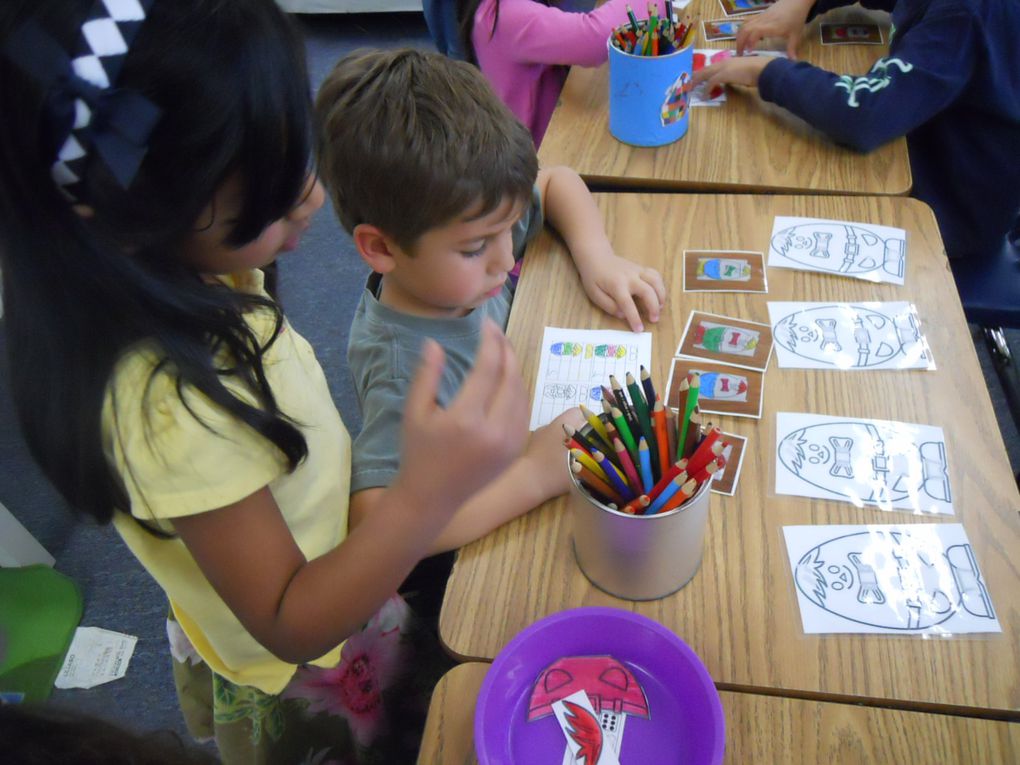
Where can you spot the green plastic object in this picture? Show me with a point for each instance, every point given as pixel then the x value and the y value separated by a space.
pixel 39 611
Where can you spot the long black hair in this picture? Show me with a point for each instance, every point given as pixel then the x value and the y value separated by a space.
pixel 78 290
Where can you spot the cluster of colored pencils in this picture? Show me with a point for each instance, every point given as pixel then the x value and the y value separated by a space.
pixel 639 457
pixel 653 36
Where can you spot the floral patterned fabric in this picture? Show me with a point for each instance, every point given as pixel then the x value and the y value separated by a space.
pixel 368 710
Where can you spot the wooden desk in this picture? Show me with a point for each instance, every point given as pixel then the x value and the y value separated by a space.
pixel 766 729
pixel 739 613
pixel 743 145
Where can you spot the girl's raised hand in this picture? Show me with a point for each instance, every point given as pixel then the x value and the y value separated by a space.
pixel 449 454
pixel 784 19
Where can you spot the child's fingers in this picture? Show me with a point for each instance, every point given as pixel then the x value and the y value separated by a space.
pixel 653 278
pixel 791 45
pixel 650 298
pixel 421 396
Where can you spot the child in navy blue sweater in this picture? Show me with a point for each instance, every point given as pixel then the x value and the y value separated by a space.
pixel 951 84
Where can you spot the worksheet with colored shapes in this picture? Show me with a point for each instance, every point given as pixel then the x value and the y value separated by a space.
pixel 575 364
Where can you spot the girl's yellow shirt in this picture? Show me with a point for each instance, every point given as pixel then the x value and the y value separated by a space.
pixel 180 457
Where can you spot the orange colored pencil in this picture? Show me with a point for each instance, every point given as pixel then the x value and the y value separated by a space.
pixel 637 505
pixel 592 481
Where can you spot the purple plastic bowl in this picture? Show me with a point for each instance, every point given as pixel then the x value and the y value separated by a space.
pixel 686 723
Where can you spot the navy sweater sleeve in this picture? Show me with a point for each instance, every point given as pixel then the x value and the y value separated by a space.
pixel 925 71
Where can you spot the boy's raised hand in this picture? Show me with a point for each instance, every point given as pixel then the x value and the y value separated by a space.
pixel 449 454
pixel 617 285
pixel 784 19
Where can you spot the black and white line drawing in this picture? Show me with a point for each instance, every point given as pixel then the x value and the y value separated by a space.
pixel 860 250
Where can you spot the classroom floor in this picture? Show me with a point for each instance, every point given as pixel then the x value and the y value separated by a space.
pixel 319 286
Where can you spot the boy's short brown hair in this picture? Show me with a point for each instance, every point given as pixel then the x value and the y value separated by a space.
pixel 410 140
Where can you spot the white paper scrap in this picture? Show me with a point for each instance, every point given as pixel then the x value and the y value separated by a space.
pixel 96 656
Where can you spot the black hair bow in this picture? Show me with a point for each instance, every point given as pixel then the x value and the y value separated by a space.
pixel 116 123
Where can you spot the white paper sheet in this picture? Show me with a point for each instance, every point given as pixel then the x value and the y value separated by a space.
pixel 96 656
pixel 575 363
pixel 920 579
pixel 859 250
pixel 849 336
pixel 892 465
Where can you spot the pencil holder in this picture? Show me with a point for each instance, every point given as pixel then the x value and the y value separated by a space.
pixel 649 96
pixel 638 557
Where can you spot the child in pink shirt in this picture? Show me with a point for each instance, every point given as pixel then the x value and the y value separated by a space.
pixel 524 48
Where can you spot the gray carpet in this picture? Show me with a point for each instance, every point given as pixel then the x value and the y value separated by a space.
pixel 319 288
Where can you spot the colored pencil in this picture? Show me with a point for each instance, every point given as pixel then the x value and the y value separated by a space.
pixel 636 506
pixel 693 432
pixel 709 448
pixel 644 418
pixel 666 494
pixel 645 455
pixel 585 443
pixel 594 420
pixel 662 439
pixel 592 481
pixel 589 461
pixel 674 470
pixel 687 491
pixel 625 433
pixel 671 431
pixel 616 479
pixel 710 469
pixel 629 469
pixel 607 395
pixel 685 416
pixel 646 383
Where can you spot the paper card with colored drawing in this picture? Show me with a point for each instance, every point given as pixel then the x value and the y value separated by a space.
pixel 911 579
pixel 742 7
pixel 727 340
pixel 715 30
pixel 849 336
pixel 574 364
pixel 586 741
pixel 724 271
pixel 882 463
pixel 724 389
pixel 703 57
pixel 859 250
pixel 724 481
pixel 851 34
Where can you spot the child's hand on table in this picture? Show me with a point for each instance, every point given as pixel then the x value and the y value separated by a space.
pixel 735 70
pixel 449 454
pixel 548 456
pixel 616 285
pixel 784 19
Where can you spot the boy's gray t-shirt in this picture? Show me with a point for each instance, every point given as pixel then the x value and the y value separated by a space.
pixel 383 352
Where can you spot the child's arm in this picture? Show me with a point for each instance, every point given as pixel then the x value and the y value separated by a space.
pixel 927 70
pixel 611 282
pixel 300 609
pixel 543 34
pixel 539 474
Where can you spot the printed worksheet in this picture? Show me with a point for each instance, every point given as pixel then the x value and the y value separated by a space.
pixel 860 250
pixel 917 579
pixel 849 336
pixel 575 364
pixel 892 465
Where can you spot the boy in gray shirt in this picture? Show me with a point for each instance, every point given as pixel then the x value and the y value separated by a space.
pixel 439 187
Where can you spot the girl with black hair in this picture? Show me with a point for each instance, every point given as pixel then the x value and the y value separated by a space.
pixel 154 154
